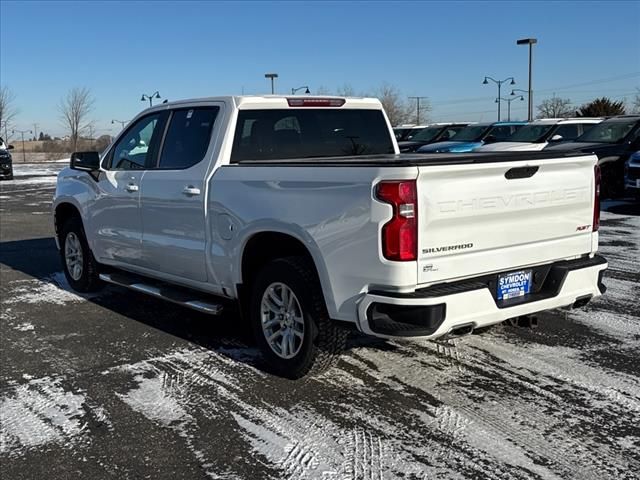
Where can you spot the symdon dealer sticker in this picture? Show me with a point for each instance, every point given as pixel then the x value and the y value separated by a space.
pixel 514 284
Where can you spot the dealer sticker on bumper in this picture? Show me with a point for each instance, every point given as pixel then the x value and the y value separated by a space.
pixel 514 284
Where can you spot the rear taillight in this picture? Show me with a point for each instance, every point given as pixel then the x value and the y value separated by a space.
pixel 596 199
pixel 315 102
pixel 400 234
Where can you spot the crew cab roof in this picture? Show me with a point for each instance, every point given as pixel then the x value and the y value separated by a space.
pixel 271 101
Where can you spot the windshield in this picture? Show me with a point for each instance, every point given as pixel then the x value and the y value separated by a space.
pixel 531 133
pixel 608 132
pixel 426 134
pixel 310 132
pixel 472 133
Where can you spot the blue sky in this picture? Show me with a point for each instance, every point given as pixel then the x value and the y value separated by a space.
pixel 441 50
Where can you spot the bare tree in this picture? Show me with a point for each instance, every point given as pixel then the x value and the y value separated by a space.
pixel 555 107
pixel 398 109
pixel 322 90
pixel 74 110
pixel 346 90
pixel 635 103
pixel 8 110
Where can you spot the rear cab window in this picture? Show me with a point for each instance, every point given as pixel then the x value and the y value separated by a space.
pixel 280 134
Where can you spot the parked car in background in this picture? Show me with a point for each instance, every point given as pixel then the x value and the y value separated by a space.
pixel 299 213
pixel 632 175
pixel 405 132
pixel 6 162
pixel 474 136
pixel 540 133
pixel 613 141
pixel 434 132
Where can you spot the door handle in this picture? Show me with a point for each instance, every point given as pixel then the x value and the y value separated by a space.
pixel 191 190
pixel 132 187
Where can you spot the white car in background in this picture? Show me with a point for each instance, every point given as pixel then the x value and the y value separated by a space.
pixel 539 133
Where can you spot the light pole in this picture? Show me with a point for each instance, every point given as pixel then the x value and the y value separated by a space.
pixel 509 100
pixel 272 76
pixel 145 97
pixel 417 99
pixel 22 132
pixel 499 83
pixel 121 122
pixel 531 42
pixel 294 90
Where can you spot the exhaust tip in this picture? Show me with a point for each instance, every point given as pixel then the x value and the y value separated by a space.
pixel 581 301
pixel 461 331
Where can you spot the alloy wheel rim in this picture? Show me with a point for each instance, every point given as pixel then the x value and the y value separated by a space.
pixel 73 255
pixel 282 320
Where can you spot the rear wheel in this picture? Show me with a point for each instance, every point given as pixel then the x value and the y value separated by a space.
pixel 290 321
pixel 80 267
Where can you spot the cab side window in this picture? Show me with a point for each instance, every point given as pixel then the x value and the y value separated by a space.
pixel 135 149
pixel 188 137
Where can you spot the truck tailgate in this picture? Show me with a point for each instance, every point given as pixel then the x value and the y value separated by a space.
pixel 488 217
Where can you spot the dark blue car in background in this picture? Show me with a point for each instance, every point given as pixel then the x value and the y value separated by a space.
pixel 474 136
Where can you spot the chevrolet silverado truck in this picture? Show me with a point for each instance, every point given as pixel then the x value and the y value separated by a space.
pixel 300 212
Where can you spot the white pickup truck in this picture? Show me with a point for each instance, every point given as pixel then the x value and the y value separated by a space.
pixel 300 211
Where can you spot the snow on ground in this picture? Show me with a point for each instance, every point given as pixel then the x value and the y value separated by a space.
pixel 35 170
pixel 53 289
pixel 37 413
pixel 27 174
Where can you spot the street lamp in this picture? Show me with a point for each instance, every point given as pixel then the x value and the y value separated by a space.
pixel 499 83
pixel 121 122
pixel 513 92
pixel 509 100
pixel 271 76
pixel 145 97
pixel 531 42
pixel 22 132
pixel 294 90
pixel 417 99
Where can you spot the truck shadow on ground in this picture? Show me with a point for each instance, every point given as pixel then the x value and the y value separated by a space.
pixel 227 334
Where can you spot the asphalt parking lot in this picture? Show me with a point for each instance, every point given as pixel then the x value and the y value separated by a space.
pixel 120 385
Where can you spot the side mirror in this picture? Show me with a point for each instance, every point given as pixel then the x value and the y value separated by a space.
pixel 85 161
pixel 490 139
pixel 10 147
pixel 556 138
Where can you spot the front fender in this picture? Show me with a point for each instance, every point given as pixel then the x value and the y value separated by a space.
pixel 77 189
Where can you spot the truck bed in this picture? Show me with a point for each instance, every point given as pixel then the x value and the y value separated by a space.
pixel 414 159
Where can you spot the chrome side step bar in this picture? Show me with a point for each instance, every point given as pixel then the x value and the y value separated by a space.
pixel 183 297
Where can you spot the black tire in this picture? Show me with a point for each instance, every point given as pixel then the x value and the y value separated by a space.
pixel 323 341
pixel 89 281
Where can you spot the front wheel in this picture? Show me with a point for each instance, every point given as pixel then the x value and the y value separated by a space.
pixel 80 267
pixel 290 321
